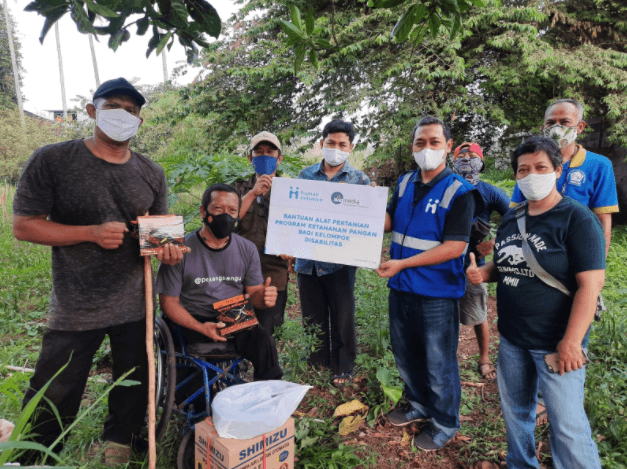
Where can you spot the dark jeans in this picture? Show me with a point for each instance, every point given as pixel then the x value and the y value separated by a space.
pixel 329 301
pixel 127 405
pixel 424 332
pixel 256 345
pixel 273 317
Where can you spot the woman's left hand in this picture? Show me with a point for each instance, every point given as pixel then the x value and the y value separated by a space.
pixel 570 356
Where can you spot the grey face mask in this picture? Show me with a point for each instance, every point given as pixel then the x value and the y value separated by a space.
pixel 468 168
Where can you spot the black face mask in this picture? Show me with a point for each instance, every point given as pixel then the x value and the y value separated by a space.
pixel 222 225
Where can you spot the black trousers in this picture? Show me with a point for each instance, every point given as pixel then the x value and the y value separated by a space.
pixel 273 317
pixel 127 405
pixel 329 301
pixel 256 345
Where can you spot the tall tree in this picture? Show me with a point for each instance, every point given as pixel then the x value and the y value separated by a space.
pixel 165 67
pixel 93 59
pixel 10 89
pixel 61 75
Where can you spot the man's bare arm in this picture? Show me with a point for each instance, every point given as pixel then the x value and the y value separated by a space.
pixel 37 229
pixel 387 227
pixel 606 223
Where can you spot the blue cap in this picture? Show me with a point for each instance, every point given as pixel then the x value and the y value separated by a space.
pixel 119 86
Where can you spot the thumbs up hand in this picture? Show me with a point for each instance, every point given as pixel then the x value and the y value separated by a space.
pixel 269 294
pixel 472 272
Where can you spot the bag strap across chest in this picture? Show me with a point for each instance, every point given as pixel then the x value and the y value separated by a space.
pixel 531 260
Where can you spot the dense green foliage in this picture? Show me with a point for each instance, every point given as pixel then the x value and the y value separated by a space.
pixel 417 19
pixel 508 62
pixel 18 142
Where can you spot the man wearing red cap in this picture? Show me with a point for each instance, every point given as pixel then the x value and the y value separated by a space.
pixel 473 307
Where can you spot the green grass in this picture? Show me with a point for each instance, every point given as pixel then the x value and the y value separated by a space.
pixel 24 291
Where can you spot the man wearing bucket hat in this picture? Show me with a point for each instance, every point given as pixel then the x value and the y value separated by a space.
pixel 264 153
pixel 473 307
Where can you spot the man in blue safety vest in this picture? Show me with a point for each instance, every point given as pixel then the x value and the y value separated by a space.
pixel 430 216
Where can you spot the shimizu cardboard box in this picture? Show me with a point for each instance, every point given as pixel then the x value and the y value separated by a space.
pixel 228 453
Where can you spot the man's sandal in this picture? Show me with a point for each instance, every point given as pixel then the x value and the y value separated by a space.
pixel 339 381
pixel 542 418
pixel 116 454
pixel 486 368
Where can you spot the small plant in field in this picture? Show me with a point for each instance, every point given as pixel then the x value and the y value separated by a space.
pixel 392 389
pixel 295 343
pixel 18 441
pixel 318 446
pixel 103 354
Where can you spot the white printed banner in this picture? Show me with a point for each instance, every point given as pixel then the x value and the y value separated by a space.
pixel 327 221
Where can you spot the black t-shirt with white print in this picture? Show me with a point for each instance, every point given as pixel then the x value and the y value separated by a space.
pixel 565 240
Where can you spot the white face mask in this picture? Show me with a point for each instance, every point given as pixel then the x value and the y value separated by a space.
pixel 117 124
pixel 537 186
pixel 429 159
pixel 333 156
pixel 563 135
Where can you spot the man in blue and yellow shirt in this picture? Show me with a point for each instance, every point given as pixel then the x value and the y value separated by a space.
pixel 586 177
pixel 430 216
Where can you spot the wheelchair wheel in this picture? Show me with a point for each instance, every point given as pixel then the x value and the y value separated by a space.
pixel 165 376
pixel 186 458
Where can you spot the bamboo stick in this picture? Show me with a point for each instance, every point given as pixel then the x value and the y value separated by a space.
pixel 152 448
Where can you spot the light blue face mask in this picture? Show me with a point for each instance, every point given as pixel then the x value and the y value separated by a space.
pixel 264 164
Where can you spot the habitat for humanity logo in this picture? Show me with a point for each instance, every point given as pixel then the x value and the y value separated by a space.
pixel 298 194
pixel 337 198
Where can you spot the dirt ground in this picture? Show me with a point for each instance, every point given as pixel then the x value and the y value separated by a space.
pixel 388 440
pixel 394 452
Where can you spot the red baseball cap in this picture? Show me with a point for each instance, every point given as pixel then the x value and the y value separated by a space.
pixel 473 147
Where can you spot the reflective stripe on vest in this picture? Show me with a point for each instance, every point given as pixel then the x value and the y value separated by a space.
pixel 414 243
pixel 404 182
pixel 450 193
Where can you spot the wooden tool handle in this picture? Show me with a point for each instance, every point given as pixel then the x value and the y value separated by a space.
pixel 150 351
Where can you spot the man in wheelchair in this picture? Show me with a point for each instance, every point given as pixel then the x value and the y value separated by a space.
pixel 221 265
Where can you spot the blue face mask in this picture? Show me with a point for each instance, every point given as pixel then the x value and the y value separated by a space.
pixel 264 164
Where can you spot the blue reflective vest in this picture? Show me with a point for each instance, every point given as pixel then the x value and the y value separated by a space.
pixel 420 228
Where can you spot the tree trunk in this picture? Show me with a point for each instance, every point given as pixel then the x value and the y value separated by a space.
pixel 93 59
pixel 16 74
pixel 165 68
pixel 61 77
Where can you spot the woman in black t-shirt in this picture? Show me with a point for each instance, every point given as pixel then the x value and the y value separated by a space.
pixel 537 319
